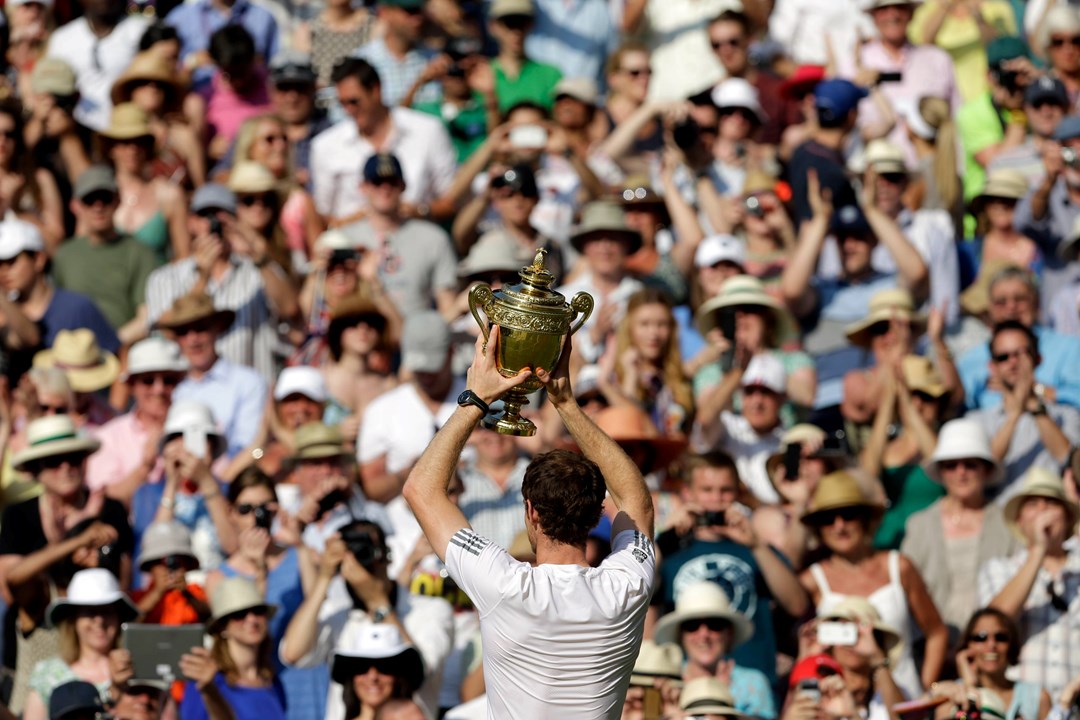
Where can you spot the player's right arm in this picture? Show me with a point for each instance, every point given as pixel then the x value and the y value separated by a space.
pixel 625 484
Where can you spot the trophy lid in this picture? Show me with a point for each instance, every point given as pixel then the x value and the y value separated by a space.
pixel 536 279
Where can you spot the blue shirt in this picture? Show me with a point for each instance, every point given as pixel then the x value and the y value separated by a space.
pixel 70 311
pixel 235 395
pixel 752 693
pixel 246 703
pixel 196 22
pixel 576 36
pixel 1059 368
pixel 189 510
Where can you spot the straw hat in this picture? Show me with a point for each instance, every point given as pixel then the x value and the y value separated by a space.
pixel 707 696
pixel 884 306
pixel 743 290
pixel 251 177
pixel 920 375
pixel 884 157
pixel 349 311
pixel 801 434
pixel 657 661
pixel 77 353
pixel 836 491
pixel 702 601
pixel 190 309
pixel 1005 184
pixel 50 436
pixel 316 441
pixel 146 67
pixel 976 299
pixel 127 122
pixel 959 439
pixel 859 610
pixel 162 540
pixel 1040 482
pixel 233 595
pixel 605 218
pixel 377 642
pixel 758 181
pixel 93 587
pixel 631 427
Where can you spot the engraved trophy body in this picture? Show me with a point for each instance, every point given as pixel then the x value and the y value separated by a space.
pixel 533 321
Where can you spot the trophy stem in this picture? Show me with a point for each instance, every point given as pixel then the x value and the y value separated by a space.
pixel 511 422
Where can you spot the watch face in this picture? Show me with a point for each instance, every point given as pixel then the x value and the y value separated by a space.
pixel 463 398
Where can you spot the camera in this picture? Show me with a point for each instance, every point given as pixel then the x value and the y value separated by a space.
pixel 66 103
pixel 712 518
pixel 753 207
pixel 1070 157
pixel 340 257
pixel 362 546
pixel 172 563
pixel 809 688
pixel 685 134
pixel 1009 80
pixel 331 501
pixel 215 226
pixel 263 517
pixel 108 557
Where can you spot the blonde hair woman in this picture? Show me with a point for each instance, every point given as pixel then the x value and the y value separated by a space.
pixel 932 132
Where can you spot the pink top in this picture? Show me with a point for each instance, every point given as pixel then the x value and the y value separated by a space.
pixel 123 440
pixel 226 110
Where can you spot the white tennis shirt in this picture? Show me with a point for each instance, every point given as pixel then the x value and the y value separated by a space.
pixel 559 640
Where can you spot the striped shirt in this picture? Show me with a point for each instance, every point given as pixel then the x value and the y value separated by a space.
pixel 251 339
pixel 492 511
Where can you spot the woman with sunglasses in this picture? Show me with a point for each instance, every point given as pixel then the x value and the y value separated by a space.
pixel 375 667
pixel 989 646
pixel 234 679
pixel 258 211
pixel 997 237
pixel 842 516
pixel 952 538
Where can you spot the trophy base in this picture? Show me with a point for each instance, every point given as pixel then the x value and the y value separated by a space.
pixel 506 425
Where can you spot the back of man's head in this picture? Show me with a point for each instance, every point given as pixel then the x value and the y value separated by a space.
pixel 567 492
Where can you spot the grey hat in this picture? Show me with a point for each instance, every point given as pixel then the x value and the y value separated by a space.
pixel 495 251
pixel 213 196
pixel 425 343
pixel 1067 129
pixel 162 540
pixel 96 178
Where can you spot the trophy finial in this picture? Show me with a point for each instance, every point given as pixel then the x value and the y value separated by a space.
pixel 538 261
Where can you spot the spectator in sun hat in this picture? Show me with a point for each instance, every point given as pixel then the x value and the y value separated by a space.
pixel 710 699
pixel 89 371
pixel 716 259
pixel 1046 102
pixel 395 661
pixel 235 393
pixel 88 623
pixel 657 666
pixel 130 443
pixel 167 557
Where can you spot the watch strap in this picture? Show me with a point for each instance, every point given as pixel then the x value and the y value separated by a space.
pixel 470 398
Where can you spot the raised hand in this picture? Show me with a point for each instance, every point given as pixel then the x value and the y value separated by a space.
pixel 484 377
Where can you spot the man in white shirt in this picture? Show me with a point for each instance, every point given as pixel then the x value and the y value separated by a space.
pixel 560 638
pixel 419 141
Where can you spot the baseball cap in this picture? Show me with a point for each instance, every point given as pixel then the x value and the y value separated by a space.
pixel 1068 128
pixel 765 371
pixel 403 4
pixel 1005 48
pixel 720 248
pixel 96 178
pixel 579 88
pixel 213 196
pixel 502 8
pixel 425 342
pixel 836 97
pixel 382 166
pixel 300 380
pixel 814 667
pixel 520 179
pixel 849 221
pixel 1046 89
pixel 72 697
pixel 292 68
pixel 52 76
pixel 18 236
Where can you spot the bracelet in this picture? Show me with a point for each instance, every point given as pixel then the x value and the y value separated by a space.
pixel 167 503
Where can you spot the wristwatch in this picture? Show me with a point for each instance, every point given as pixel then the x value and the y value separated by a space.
pixel 1039 408
pixel 380 614
pixel 468 397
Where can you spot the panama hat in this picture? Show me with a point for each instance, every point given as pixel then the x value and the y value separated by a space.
pixel 495 251
pixel 884 157
pixel 77 353
pixel 1039 482
pixel 234 595
pixel 351 310
pixel 162 540
pixel 657 661
pixel 859 610
pixel 836 491
pixel 146 67
pixel 884 306
pixel 1004 184
pixel 975 300
pixel 631 427
pixel 959 439
pixel 702 601
pixel 742 291
pixel 154 355
pixel 248 176
pixel 758 181
pixel 606 218
pixel 93 587
pixel 317 441
pixel 382 643
pixel 921 376
pixel 707 696
pixel 52 435
pixel 192 308
pixel 128 121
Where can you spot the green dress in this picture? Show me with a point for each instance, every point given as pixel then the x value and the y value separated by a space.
pixel 909 490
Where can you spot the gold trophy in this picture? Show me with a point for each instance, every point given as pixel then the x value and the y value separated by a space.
pixel 533 321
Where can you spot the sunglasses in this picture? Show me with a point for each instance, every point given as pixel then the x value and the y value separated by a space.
pixel 199 327
pixel 1061 42
pixel 273 139
pixel 516 22
pixel 984 636
pixel 55 461
pixel 102 198
pixel 257 611
pixel 248 508
pixel 848 515
pixel 294 87
pixel 714 624
pixel 52 409
pixel 966 463
pixel 379 182
pixel 263 199
pixel 149 83
pixel 149 380
pixel 730 42
pixel 1005 356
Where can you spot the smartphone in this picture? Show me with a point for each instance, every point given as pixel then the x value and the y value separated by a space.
pixel 528 137
pixel 215 226
pixel 889 77
pixel 195 442
pixel 792 458
pixel 712 518
pixel 831 633
pixel 809 688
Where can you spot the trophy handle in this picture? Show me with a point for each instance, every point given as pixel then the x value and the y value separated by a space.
pixel 582 304
pixel 481 297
